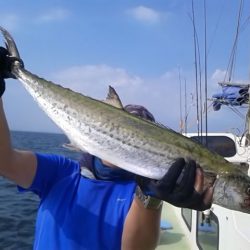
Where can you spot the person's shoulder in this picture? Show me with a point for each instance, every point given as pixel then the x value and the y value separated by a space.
pixel 56 158
pixel 55 162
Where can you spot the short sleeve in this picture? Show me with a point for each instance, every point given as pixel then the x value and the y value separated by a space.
pixel 51 169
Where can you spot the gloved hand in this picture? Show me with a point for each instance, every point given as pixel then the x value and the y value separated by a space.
pixel 5 68
pixel 2 86
pixel 181 186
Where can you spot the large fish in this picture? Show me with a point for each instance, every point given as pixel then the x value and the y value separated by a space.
pixel 132 143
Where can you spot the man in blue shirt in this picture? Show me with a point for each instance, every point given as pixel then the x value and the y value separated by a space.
pixel 93 204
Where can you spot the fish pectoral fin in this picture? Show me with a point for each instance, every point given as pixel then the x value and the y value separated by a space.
pixel 113 98
pixel 71 147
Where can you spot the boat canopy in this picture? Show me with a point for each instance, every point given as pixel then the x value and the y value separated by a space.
pixel 231 95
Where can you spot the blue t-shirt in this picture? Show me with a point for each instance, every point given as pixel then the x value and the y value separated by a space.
pixel 76 212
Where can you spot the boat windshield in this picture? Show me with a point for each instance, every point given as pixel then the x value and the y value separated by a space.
pixel 222 145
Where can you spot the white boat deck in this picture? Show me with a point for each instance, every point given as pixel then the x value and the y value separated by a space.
pixel 173 238
pixel 225 229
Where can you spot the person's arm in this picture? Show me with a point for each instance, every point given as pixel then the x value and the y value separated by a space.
pixel 142 227
pixel 183 189
pixel 17 166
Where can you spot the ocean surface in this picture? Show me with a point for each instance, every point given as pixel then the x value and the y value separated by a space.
pixel 18 210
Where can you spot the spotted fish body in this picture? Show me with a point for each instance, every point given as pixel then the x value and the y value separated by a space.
pixel 121 138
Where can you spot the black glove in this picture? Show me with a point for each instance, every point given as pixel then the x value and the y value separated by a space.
pixel 176 187
pixel 5 64
pixel 5 68
pixel 3 54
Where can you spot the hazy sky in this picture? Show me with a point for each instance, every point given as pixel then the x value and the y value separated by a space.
pixel 144 49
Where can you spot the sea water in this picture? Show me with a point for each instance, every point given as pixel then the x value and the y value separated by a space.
pixel 18 210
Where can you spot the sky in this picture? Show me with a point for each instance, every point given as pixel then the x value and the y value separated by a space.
pixel 144 49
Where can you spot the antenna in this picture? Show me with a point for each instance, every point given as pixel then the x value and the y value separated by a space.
pixel 196 71
pixel 205 34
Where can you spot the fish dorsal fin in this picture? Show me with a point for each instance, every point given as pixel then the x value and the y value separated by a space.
pixel 113 99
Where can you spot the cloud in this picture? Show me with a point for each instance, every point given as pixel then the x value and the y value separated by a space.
pixel 53 15
pixel 145 14
pixel 161 94
pixel 157 94
pixel 218 75
pixel 94 79
pixel 222 75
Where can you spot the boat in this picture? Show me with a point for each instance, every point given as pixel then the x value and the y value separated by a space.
pixel 218 228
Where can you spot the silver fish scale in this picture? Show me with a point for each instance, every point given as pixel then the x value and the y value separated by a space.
pixel 115 144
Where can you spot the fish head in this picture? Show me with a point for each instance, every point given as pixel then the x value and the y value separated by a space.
pixel 233 191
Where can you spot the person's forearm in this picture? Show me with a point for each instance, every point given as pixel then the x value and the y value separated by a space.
pixel 16 165
pixel 5 142
pixel 142 227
